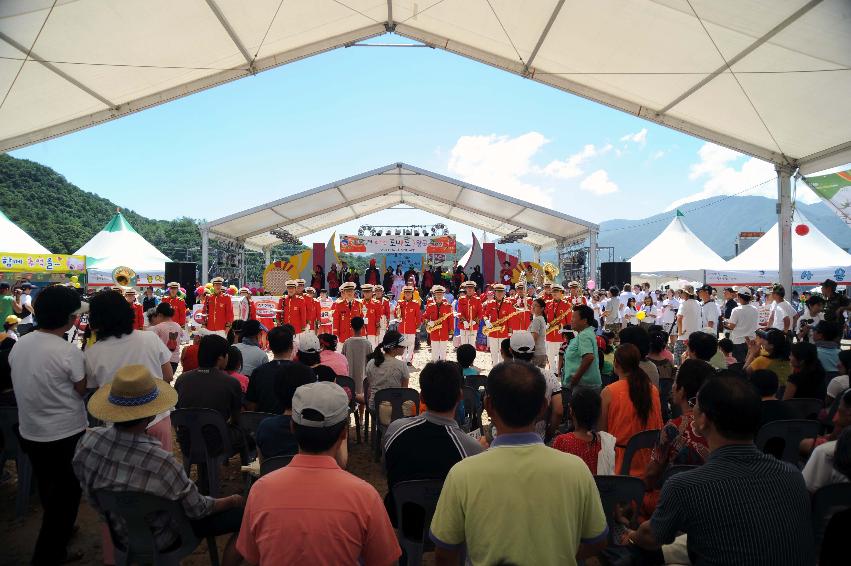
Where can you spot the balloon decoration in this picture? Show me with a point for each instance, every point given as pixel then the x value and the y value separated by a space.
pixel 802 229
pixel 591 284
pixel 232 290
pixel 640 315
pixel 76 284
pixel 74 279
pixel 199 290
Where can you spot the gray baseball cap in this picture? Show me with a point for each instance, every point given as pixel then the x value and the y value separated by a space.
pixel 324 397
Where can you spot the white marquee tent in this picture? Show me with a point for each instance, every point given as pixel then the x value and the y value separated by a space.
pixel 16 241
pixel 118 244
pixel 676 252
pixel 769 78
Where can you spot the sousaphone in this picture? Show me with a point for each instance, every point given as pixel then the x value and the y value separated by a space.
pixel 124 276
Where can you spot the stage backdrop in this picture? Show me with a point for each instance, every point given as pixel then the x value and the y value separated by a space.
pixel 397 244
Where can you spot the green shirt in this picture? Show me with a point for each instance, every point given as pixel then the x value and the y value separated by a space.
pixel 584 343
pixel 520 502
pixel 6 307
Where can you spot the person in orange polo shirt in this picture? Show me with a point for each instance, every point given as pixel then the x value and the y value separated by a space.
pixel 176 303
pixel 138 311
pixel 439 313
pixel 218 309
pixel 410 317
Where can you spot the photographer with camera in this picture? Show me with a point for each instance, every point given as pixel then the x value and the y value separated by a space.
pixel 808 318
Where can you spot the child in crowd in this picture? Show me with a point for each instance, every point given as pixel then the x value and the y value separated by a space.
pixel 234 368
pixel 597 449
pixel 356 348
pixel 726 347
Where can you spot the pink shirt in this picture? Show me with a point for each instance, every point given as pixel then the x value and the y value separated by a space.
pixel 313 512
pixel 334 360
pixel 242 379
pixel 169 331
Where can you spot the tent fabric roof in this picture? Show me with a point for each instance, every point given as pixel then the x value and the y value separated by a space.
pixel 813 251
pixel 676 250
pixel 16 241
pixel 311 211
pixel 765 77
pixel 119 244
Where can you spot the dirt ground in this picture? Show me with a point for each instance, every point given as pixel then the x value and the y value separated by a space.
pixel 18 535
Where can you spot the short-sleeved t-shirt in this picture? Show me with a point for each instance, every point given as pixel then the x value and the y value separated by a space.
pixel 819 470
pixel 261 386
pixel 690 311
pixel 209 389
pixel 6 308
pixel 356 349
pixel 710 312
pixel 105 357
pixel 781 310
pixel 252 357
pixel 26 316
pixel 389 374
pixel 583 343
pixel 559 506
pixel 539 326
pixel 45 368
pixel 274 437
pixel 325 514
pixel 169 333
pixel 746 319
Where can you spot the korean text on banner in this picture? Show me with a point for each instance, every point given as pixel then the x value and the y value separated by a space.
pixel 397 244
pixel 42 263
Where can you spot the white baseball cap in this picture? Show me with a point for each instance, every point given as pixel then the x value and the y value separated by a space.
pixel 326 398
pixel 522 342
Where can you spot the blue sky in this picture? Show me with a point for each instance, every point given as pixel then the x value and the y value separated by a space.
pixel 344 112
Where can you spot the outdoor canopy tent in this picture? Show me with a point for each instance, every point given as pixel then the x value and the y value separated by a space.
pixel 341 201
pixel 16 241
pixel 767 78
pixel 676 252
pixel 118 244
pixel 814 258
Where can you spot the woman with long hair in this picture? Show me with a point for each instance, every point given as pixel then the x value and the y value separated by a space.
pixel 538 329
pixel 384 368
pixel 808 379
pixel 398 283
pixel 596 448
pixel 630 405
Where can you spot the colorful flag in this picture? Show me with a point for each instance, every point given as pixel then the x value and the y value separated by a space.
pixel 835 189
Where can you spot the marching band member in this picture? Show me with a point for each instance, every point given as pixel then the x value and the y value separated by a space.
pixel 245 293
pixel 372 314
pixel 218 309
pixel 292 309
pixel 441 320
pixel 176 303
pixel 497 313
pixel 548 291
pixel 558 313
pixel 409 316
pixel 384 318
pixel 345 309
pixel 314 309
pixel 523 304
pixel 470 312
pixel 576 297
pixel 138 311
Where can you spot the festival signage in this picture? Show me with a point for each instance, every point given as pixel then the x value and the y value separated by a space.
pixel 397 244
pixel 835 189
pixel 42 263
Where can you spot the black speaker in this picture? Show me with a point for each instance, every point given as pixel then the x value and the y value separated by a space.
pixel 615 274
pixel 184 273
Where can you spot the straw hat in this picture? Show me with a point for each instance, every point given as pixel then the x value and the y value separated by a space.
pixel 133 394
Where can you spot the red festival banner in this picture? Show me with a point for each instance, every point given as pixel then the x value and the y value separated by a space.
pixel 397 244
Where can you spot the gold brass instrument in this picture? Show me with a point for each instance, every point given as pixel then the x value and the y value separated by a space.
pixel 433 325
pixel 499 324
pixel 123 276
pixel 556 323
pixel 550 272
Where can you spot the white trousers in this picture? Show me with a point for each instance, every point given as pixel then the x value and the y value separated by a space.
pixel 380 337
pixel 493 344
pixel 438 351
pixel 410 340
pixel 552 355
pixel 468 336
pixel 373 340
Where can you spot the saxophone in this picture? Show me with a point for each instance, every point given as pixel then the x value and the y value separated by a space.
pixel 433 325
pixel 499 324
pixel 556 323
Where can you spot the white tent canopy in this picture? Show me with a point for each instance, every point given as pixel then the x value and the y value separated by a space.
pixel 676 250
pixel 769 79
pixel 16 241
pixel 311 211
pixel 118 244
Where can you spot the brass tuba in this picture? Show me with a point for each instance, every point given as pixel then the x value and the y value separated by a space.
pixel 550 272
pixel 123 276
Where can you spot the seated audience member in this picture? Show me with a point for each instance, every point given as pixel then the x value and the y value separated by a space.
pixel 826 336
pixel 550 493
pixel 630 405
pixel 325 514
pixel 729 508
pixel 766 384
pixel 770 350
pixel 309 354
pixel 209 387
pixel 466 356
pixel 385 369
pixel 841 420
pixel 807 380
pixel 704 346
pixel 329 356
pixel 521 347
pixel 124 458
pixel 356 348
pixel 427 445
pixel 260 395
pixel 189 355
pixel 234 367
pixel 597 449
pixel 49 380
pixel 664 361
pixel 839 383
pixel 726 347
pixel 274 435
pixel 505 350
pixel 253 355
pixel 830 463
pixel 640 338
pixel 7 392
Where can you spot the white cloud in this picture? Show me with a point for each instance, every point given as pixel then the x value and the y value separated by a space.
pixel 724 173
pixel 639 137
pixel 571 167
pixel 658 154
pixel 599 183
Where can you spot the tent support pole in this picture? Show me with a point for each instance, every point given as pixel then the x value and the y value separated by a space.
pixel 784 223
pixel 267 257
pixel 537 250
pixel 243 271
pixel 592 255
pixel 205 256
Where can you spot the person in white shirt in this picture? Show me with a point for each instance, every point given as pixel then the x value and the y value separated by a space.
pixel 650 311
pixel 624 297
pixel 710 313
pixel 830 462
pixel 744 320
pixel 26 324
pixel 808 318
pixel 668 317
pixel 688 321
pixel 782 315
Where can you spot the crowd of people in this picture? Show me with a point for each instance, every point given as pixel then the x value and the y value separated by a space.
pixel 574 375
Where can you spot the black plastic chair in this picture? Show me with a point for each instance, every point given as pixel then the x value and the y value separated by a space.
pixel 141 548
pixel 826 502
pixel 789 434
pixel 249 421
pixel 421 495
pixel 275 463
pixel 618 490
pixel 396 396
pixel 196 421
pixel 803 408
pixel 475 381
pixel 646 439
pixel 12 450
pixel 674 470
pixel 348 383
pixel 472 410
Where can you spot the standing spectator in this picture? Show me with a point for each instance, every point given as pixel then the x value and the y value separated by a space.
pixel 550 493
pixel 538 329
pixel 709 311
pixel 729 508
pixel 833 302
pixel 118 344
pixel 807 380
pixel 478 278
pixel 688 321
pixel 729 302
pixel 149 301
pixel 161 322
pixel 48 376
pixel 597 449
pixel 581 361
pixel 26 325
pixel 253 355
pixel 630 405
pixel 339 518
pixel 9 305
pixel 808 318
pixel 743 323
pixel 782 315
pixel 262 383
pixel 356 349
pixel 612 312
